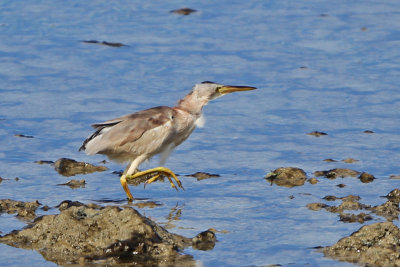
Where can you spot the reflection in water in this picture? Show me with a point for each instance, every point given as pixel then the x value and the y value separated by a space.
pixel 174 215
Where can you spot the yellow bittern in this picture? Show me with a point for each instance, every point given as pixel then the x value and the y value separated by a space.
pixel 139 136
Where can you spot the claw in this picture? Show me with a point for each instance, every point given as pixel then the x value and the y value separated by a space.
pixel 155 173
pixel 170 181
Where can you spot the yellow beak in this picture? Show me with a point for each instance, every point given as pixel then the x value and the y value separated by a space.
pixel 226 89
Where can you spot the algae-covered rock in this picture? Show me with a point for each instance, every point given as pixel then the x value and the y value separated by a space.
pixel 90 234
pixel 377 244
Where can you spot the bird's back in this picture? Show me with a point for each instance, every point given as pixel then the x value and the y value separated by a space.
pixel 122 139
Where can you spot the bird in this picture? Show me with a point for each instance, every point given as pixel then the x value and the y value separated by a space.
pixel 139 136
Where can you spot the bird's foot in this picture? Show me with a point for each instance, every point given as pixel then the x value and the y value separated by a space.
pixel 156 173
pixel 169 174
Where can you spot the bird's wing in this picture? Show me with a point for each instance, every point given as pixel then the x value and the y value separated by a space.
pixel 120 132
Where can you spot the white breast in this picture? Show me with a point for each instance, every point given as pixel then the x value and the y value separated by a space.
pixel 200 121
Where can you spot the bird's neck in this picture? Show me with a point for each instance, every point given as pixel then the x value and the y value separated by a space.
pixel 192 104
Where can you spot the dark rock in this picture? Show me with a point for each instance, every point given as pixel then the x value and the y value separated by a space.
pixel 313 180
pixel 75 183
pixel 390 210
pixel 330 160
pixel 351 218
pixel 316 206
pixel 44 162
pixel 112 44
pixel 204 240
pixel 317 133
pixel 102 235
pixel 348 203
pixel 287 176
pixel 23 136
pixel 24 210
pixel 377 244
pixel 330 198
pixel 350 160
pixel 203 175
pixel 338 172
pixel 366 177
pixel 70 167
pixel 394 196
pixel 183 11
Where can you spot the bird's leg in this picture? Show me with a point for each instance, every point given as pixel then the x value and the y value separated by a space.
pixel 156 173
pixel 130 169
pixel 125 187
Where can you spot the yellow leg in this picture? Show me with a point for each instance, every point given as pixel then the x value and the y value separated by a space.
pixel 125 187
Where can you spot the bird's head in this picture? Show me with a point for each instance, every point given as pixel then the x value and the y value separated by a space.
pixel 203 92
pixel 209 90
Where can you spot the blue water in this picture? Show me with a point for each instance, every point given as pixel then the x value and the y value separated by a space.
pixel 318 65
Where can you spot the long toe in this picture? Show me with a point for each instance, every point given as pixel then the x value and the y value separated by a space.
pixel 170 181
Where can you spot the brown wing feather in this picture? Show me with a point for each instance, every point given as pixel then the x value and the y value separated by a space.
pixel 114 135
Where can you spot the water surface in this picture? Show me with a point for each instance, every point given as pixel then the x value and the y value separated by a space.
pixel 326 66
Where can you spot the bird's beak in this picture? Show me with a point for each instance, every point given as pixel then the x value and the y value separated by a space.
pixel 226 89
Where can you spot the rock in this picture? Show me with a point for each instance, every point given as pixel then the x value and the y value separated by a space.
pixel 350 160
pixel 316 206
pixel 338 172
pixel 394 196
pixel 23 135
pixel 183 11
pixel 203 175
pixel 75 183
pixel 348 203
pixel 91 234
pixel 330 160
pixel 317 133
pixel 66 204
pixel 70 167
pixel 390 210
pixel 377 244
pixel 25 210
pixel 204 240
pixel 366 177
pixel 313 180
pixel 331 198
pixel 287 176
pixel 112 44
pixel 41 162
pixel 351 218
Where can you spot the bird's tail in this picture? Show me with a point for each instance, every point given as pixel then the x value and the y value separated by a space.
pixel 99 130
